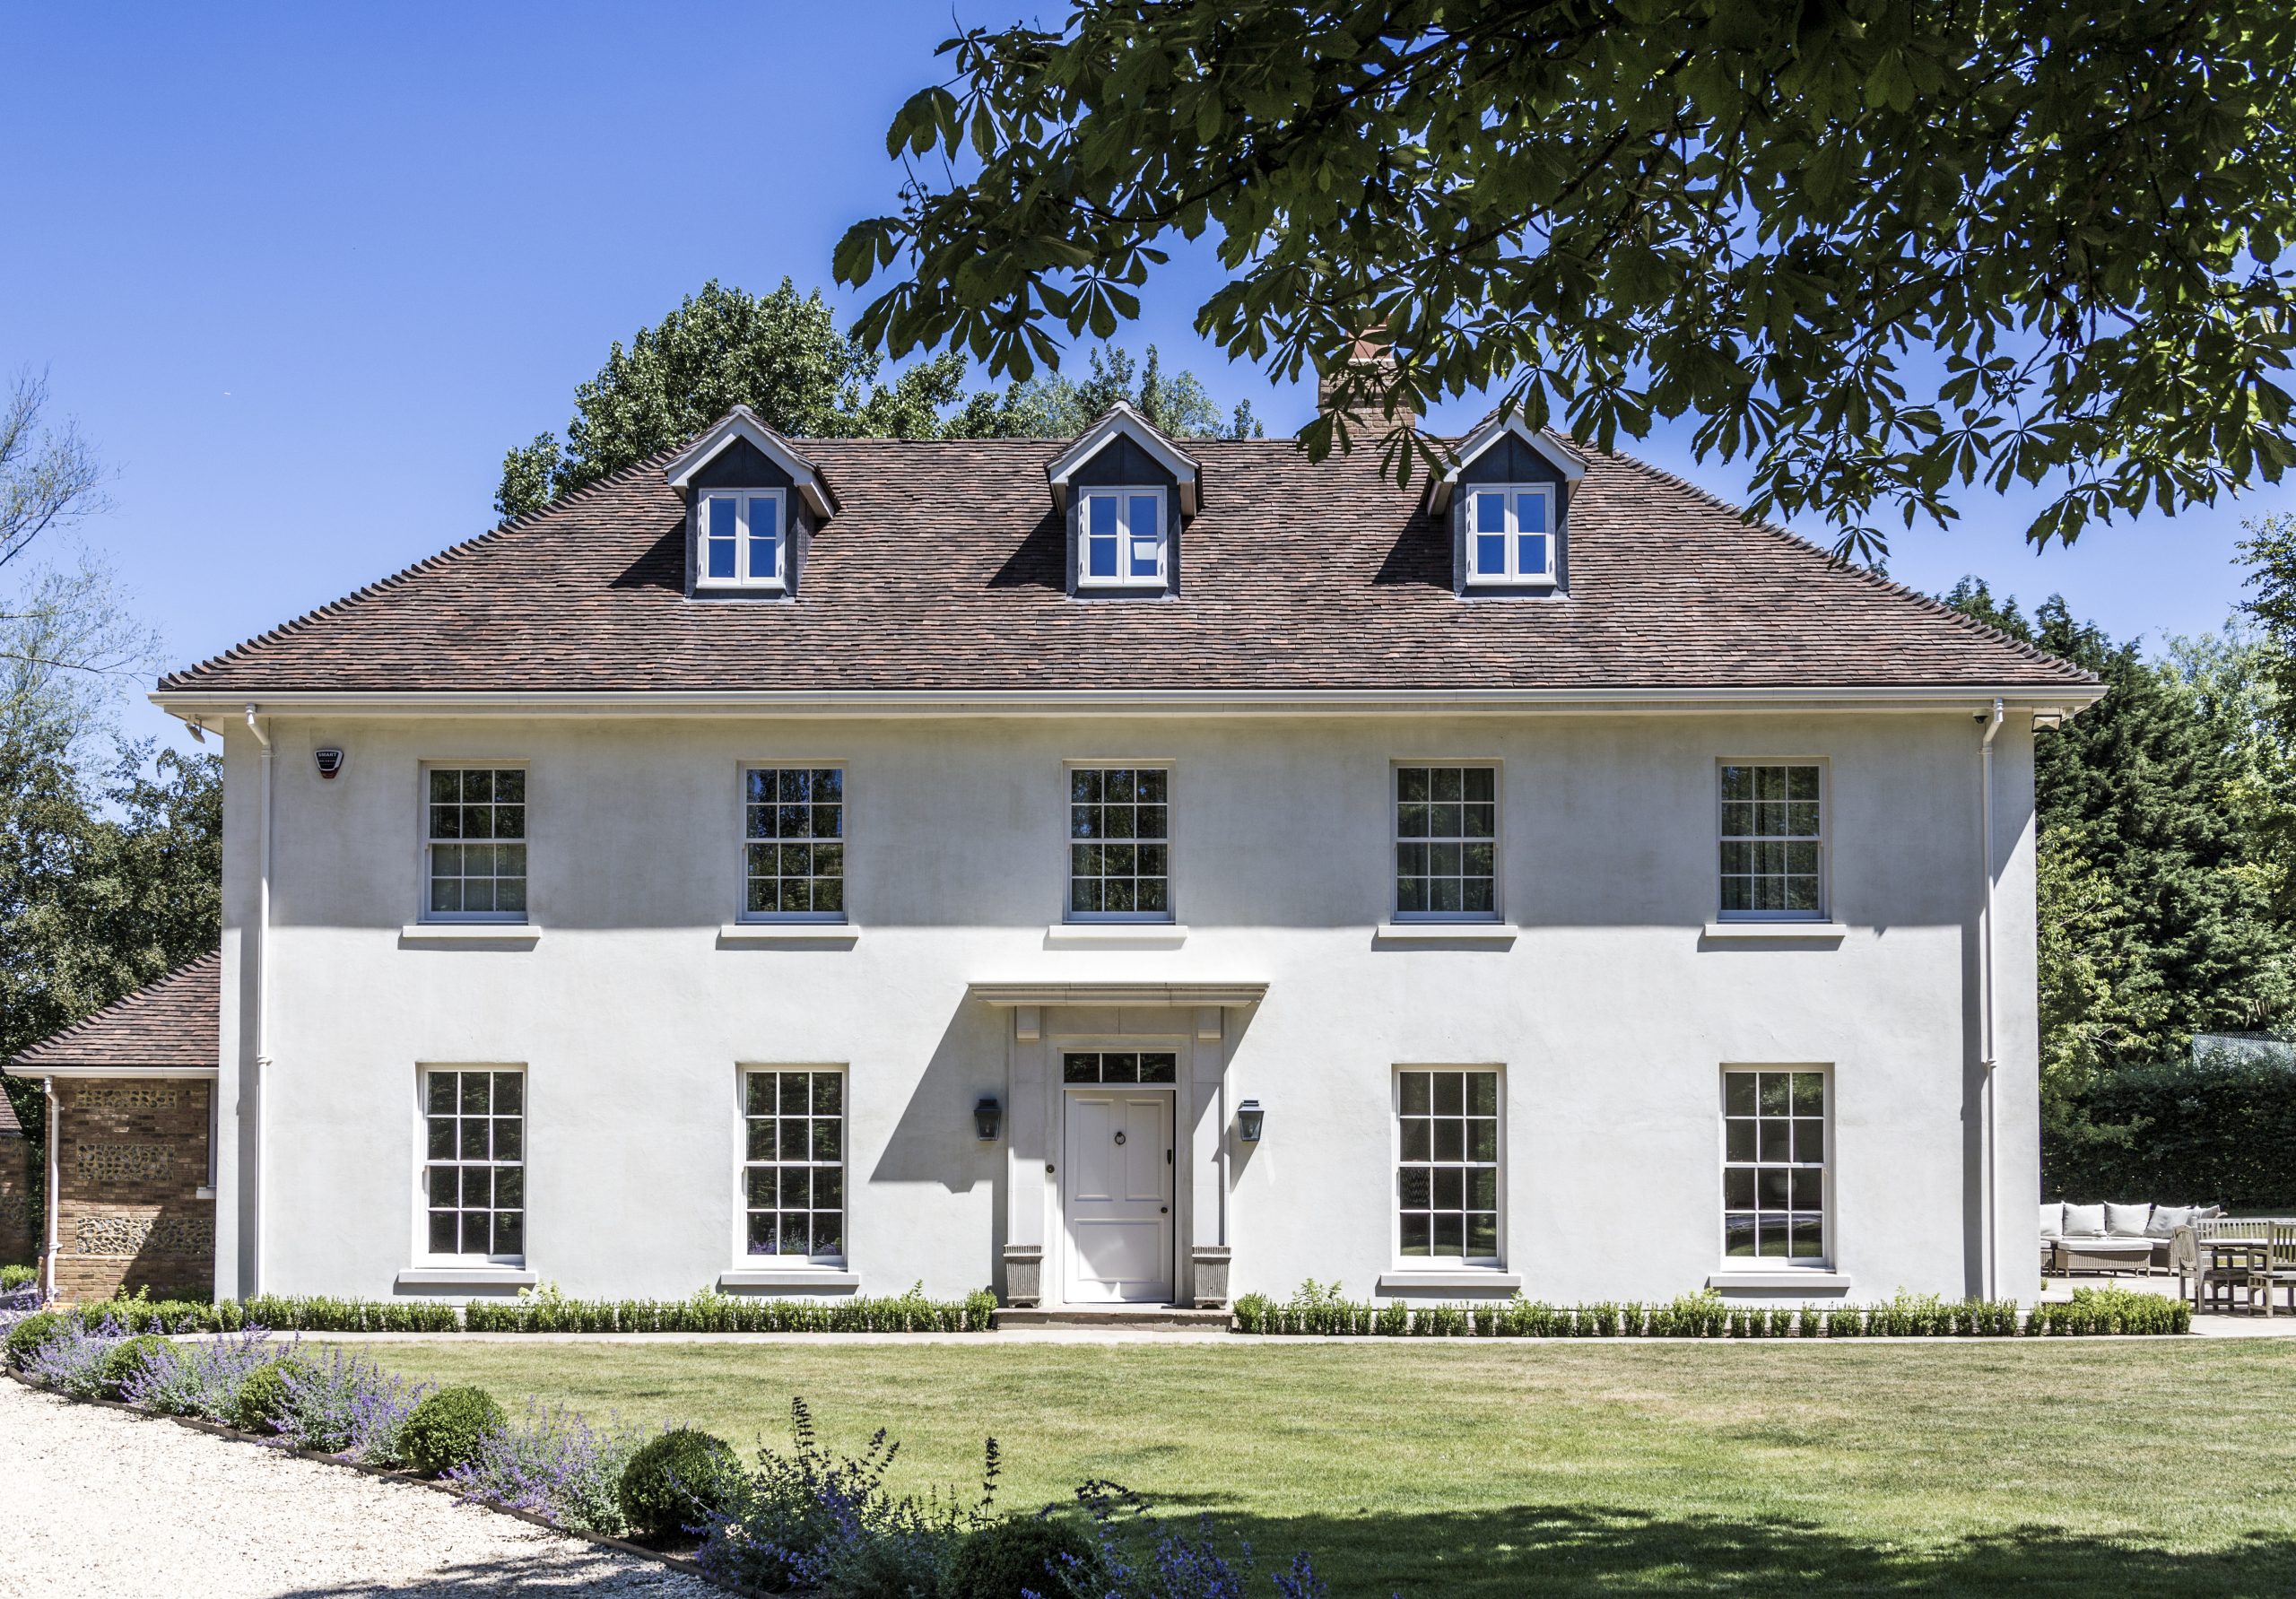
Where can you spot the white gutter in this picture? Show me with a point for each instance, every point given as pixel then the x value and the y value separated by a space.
pixel 1986 1056
pixel 2042 699
pixel 261 1005
pixel 54 1126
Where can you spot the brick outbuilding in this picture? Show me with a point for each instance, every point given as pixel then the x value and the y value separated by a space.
pixel 130 1098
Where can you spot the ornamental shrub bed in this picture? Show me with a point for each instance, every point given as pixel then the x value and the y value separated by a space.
pixel 804 1520
pixel 1318 1309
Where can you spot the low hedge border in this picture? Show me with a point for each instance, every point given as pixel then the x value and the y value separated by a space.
pixel 2094 1311
pixel 547 1312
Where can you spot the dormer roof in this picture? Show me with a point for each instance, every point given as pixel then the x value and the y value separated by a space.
pixel 1121 421
pixel 741 423
pixel 1489 431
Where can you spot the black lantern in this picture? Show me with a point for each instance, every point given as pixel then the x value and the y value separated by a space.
pixel 1249 1118
pixel 985 1116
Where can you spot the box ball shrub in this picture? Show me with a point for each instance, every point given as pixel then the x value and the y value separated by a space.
pixel 261 1404
pixel 1029 1553
pixel 676 1480
pixel 27 1335
pixel 445 1430
pixel 128 1359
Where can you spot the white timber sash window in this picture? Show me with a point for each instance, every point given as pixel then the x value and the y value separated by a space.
pixel 475 1164
pixel 793 843
pixel 793 1172
pixel 1774 1166
pixel 1120 539
pixel 1773 841
pixel 1446 843
pixel 1120 843
pixel 474 844
pixel 740 538
pixel 1447 1169
pixel 1511 534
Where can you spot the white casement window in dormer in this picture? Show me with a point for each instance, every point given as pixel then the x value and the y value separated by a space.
pixel 1511 534
pixel 740 543
pixel 1120 538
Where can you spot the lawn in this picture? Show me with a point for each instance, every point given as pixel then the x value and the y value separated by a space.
pixel 1487 1469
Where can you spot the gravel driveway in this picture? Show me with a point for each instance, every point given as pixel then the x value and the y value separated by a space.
pixel 100 1502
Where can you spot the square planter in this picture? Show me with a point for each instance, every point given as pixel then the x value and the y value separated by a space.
pixel 1023 1273
pixel 1210 1262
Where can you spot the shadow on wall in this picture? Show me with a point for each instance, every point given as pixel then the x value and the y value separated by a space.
pixel 1594 1550
pixel 935 1140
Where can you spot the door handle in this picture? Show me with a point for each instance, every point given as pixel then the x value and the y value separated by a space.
pixel 1164 1210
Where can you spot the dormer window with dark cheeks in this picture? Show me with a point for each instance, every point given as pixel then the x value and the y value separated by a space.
pixel 1120 539
pixel 1511 534
pixel 740 538
pixel 754 505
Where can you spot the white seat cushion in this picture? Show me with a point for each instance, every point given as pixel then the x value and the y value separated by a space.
pixel 2053 1219
pixel 2127 1220
pixel 2084 1218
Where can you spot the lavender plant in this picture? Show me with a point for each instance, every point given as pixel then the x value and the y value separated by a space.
pixel 1144 1557
pixel 553 1463
pixel 71 1359
pixel 205 1378
pixel 807 1520
pixel 343 1404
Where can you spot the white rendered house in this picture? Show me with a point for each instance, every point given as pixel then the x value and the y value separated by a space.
pixel 1128 871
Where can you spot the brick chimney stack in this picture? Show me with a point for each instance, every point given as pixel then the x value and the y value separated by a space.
pixel 1372 350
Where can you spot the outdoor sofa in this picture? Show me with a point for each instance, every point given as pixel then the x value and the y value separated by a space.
pixel 2113 1237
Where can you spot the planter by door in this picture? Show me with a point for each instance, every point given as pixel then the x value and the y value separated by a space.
pixel 1119 1196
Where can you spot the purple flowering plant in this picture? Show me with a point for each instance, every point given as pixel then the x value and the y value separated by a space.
pixel 342 1403
pixel 1144 1557
pixel 552 1462
pixel 72 1362
pixel 202 1379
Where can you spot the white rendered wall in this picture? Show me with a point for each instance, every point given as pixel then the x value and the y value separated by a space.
pixel 1610 1015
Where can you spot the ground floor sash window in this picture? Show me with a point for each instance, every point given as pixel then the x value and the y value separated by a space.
pixel 1447 1178
pixel 794 1170
pixel 1774 1147
pixel 474 1168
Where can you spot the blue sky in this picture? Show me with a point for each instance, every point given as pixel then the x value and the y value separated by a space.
pixel 304 273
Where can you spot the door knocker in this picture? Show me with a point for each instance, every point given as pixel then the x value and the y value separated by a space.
pixel 1120 1138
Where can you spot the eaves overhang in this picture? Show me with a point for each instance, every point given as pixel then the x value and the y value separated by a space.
pixel 218 707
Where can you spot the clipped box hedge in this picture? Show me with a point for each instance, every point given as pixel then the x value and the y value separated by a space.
pixel 546 1312
pixel 2092 1310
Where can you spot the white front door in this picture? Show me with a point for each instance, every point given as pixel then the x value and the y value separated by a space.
pixel 1119 1195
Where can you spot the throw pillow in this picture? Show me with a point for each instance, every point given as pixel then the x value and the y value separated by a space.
pixel 2127 1220
pixel 2084 1220
pixel 2168 1218
pixel 2053 1220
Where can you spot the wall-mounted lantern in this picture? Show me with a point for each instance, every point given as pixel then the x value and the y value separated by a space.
pixel 985 1116
pixel 1249 1119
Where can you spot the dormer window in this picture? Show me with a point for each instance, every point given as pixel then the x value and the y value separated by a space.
pixel 1120 538
pixel 1511 534
pixel 740 538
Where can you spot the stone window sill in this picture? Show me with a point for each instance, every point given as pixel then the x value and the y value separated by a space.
pixel 1496 934
pixel 1776 932
pixel 820 1279
pixel 523 934
pixel 421 1277
pixel 1492 1281
pixel 1115 935
pixel 842 934
pixel 1816 1281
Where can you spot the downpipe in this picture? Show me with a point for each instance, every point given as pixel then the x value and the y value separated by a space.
pixel 255 1106
pixel 1989 1182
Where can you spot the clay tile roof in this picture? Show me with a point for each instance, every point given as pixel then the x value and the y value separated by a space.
pixel 171 1023
pixel 943 570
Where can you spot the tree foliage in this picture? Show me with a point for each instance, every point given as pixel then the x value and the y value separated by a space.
pixel 783 356
pixel 1878 249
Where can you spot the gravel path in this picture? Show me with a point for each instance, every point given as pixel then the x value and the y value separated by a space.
pixel 102 1502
